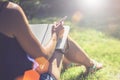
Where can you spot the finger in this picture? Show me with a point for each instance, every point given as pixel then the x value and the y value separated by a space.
pixel 62 22
pixel 58 28
pixel 54 24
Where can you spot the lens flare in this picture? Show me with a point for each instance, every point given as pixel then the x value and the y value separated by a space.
pixel 76 17
pixel 93 5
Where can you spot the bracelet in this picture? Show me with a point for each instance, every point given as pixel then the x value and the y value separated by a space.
pixel 59 50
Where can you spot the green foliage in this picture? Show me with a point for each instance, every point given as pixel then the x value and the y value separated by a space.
pixel 114 31
pixel 30 7
pixel 49 20
pixel 16 1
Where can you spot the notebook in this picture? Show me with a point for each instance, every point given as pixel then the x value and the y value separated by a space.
pixel 43 34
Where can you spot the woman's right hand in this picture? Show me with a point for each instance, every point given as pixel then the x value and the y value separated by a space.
pixel 58 29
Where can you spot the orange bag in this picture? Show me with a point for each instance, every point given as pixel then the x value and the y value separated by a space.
pixel 31 75
pixel 43 64
pixel 40 66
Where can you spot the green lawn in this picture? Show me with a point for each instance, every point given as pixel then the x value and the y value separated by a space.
pixel 100 47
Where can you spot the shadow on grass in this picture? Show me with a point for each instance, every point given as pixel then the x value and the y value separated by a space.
pixel 87 77
pixel 81 77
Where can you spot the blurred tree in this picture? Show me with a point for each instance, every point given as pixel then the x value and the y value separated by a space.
pixel 16 1
pixel 41 8
pixel 30 7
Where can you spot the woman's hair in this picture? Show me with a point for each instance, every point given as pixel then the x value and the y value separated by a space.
pixel 3 4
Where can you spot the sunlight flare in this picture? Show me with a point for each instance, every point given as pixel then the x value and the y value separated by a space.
pixel 93 4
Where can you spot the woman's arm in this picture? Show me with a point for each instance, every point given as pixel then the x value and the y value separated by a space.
pixel 57 32
pixel 24 35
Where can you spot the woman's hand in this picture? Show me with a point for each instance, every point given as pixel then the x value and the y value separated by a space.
pixel 58 29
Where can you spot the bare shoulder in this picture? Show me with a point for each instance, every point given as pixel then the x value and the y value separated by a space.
pixel 13 6
pixel 13 11
pixel 10 17
pixel 15 17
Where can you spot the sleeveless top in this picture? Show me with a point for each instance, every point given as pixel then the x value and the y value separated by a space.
pixel 13 59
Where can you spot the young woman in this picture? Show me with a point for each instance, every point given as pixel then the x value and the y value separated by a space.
pixel 17 41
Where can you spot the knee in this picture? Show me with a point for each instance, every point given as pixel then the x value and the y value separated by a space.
pixel 54 70
pixel 56 64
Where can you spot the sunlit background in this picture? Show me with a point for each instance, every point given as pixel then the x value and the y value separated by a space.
pixel 99 14
pixel 95 25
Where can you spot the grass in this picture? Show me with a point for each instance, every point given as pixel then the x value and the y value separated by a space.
pixel 98 46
